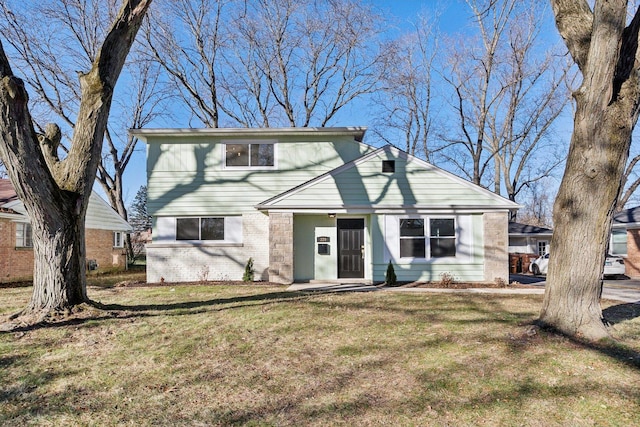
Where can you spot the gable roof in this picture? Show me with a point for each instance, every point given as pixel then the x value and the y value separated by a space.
pixel 361 186
pixel 7 193
pixel 516 228
pixel 627 218
pixel 100 215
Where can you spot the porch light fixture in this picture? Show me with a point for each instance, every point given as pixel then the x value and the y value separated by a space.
pixel 332 215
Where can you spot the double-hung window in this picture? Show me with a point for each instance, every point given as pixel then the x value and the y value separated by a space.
pixel 427 238
pixel 118 239
pixel 618 245
pixel 442 237
pixel 23 235
pixel 412 238
pixel 250 155
pixel 200 228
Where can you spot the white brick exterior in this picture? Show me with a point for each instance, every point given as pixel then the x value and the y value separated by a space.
pixel 184 263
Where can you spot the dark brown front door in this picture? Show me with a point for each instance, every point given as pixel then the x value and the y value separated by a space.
pixel 351 248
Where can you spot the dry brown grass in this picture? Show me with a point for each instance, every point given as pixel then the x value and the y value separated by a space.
pixel 257 355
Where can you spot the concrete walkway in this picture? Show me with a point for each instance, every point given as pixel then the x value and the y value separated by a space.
pixel 617 290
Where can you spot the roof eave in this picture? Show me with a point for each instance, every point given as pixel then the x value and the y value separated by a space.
pixel 357 132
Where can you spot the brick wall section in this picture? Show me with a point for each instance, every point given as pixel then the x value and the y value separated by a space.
pixel 632 262
pixel 100 247
pixel 17 263
pixel 281 247
pixel 188 263
pixel 496 246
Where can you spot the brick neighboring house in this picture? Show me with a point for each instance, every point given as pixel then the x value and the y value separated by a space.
pixel 105 232
pixel 625 239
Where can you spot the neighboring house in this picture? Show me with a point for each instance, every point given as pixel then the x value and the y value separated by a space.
pixel 105 232
pixel 313 204
pixel 625 239
pixel 528 239
pixel 526 243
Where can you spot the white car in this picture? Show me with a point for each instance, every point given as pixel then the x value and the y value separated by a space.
pixel 613 265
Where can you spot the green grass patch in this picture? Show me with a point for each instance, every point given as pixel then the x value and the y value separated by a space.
pixel 260 356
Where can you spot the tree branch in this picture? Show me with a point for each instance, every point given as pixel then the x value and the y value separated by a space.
pixel 574 20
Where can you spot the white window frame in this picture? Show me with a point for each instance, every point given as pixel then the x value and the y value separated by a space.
pixel 426 236
pixel 118 239
pixel 612 245
pixel 542 247
pixel 24 235
pixel 465 235
pixel 165 228
pixel 249 143
pixel 200 219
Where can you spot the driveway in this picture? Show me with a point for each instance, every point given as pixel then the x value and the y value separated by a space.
pixel 626 290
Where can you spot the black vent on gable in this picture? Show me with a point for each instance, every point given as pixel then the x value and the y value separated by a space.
pixel 388 166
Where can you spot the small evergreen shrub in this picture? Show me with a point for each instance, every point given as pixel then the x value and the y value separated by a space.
pixel 248 271
pixel 390 278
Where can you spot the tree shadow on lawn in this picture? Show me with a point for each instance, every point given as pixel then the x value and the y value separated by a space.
pixel 621 312
pixel 99 312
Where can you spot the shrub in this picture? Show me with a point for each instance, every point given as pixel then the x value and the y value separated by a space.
pixel 248 271
pixel 390 278
pixel 500 282
pixel 447 279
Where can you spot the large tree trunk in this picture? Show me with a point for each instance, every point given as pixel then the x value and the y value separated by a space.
pixel 582 219
pixel 59 259
pixel 606 112
pixel 55 191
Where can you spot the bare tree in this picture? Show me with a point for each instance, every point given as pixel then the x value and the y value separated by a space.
pixel 55 191
pixel 270 63
pixel 630 183
pixel 507 95
pixel 80 27
pixel 403 103
pixel 538 205
pixel 534 92
pixel 471 73
pixel 185 37
pixel 605 50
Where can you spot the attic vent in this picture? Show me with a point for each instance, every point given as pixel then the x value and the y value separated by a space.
pixel 388 166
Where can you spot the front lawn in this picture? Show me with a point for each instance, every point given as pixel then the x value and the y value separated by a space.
pixel 258 355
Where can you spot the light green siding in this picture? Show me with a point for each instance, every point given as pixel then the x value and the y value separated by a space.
pixel 412 184
pixel 464 269
pixel 308 264
pixel 186 175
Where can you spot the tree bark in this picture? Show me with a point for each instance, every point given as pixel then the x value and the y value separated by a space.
pixel 606 113
pixel 55 191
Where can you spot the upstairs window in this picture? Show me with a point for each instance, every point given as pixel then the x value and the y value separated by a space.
pixel 200 229
pixel 250 155
pixel 23 235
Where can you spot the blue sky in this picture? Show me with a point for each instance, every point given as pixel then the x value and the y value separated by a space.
pixel 455 17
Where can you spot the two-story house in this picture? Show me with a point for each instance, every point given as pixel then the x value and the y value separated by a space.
pixel 313 204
